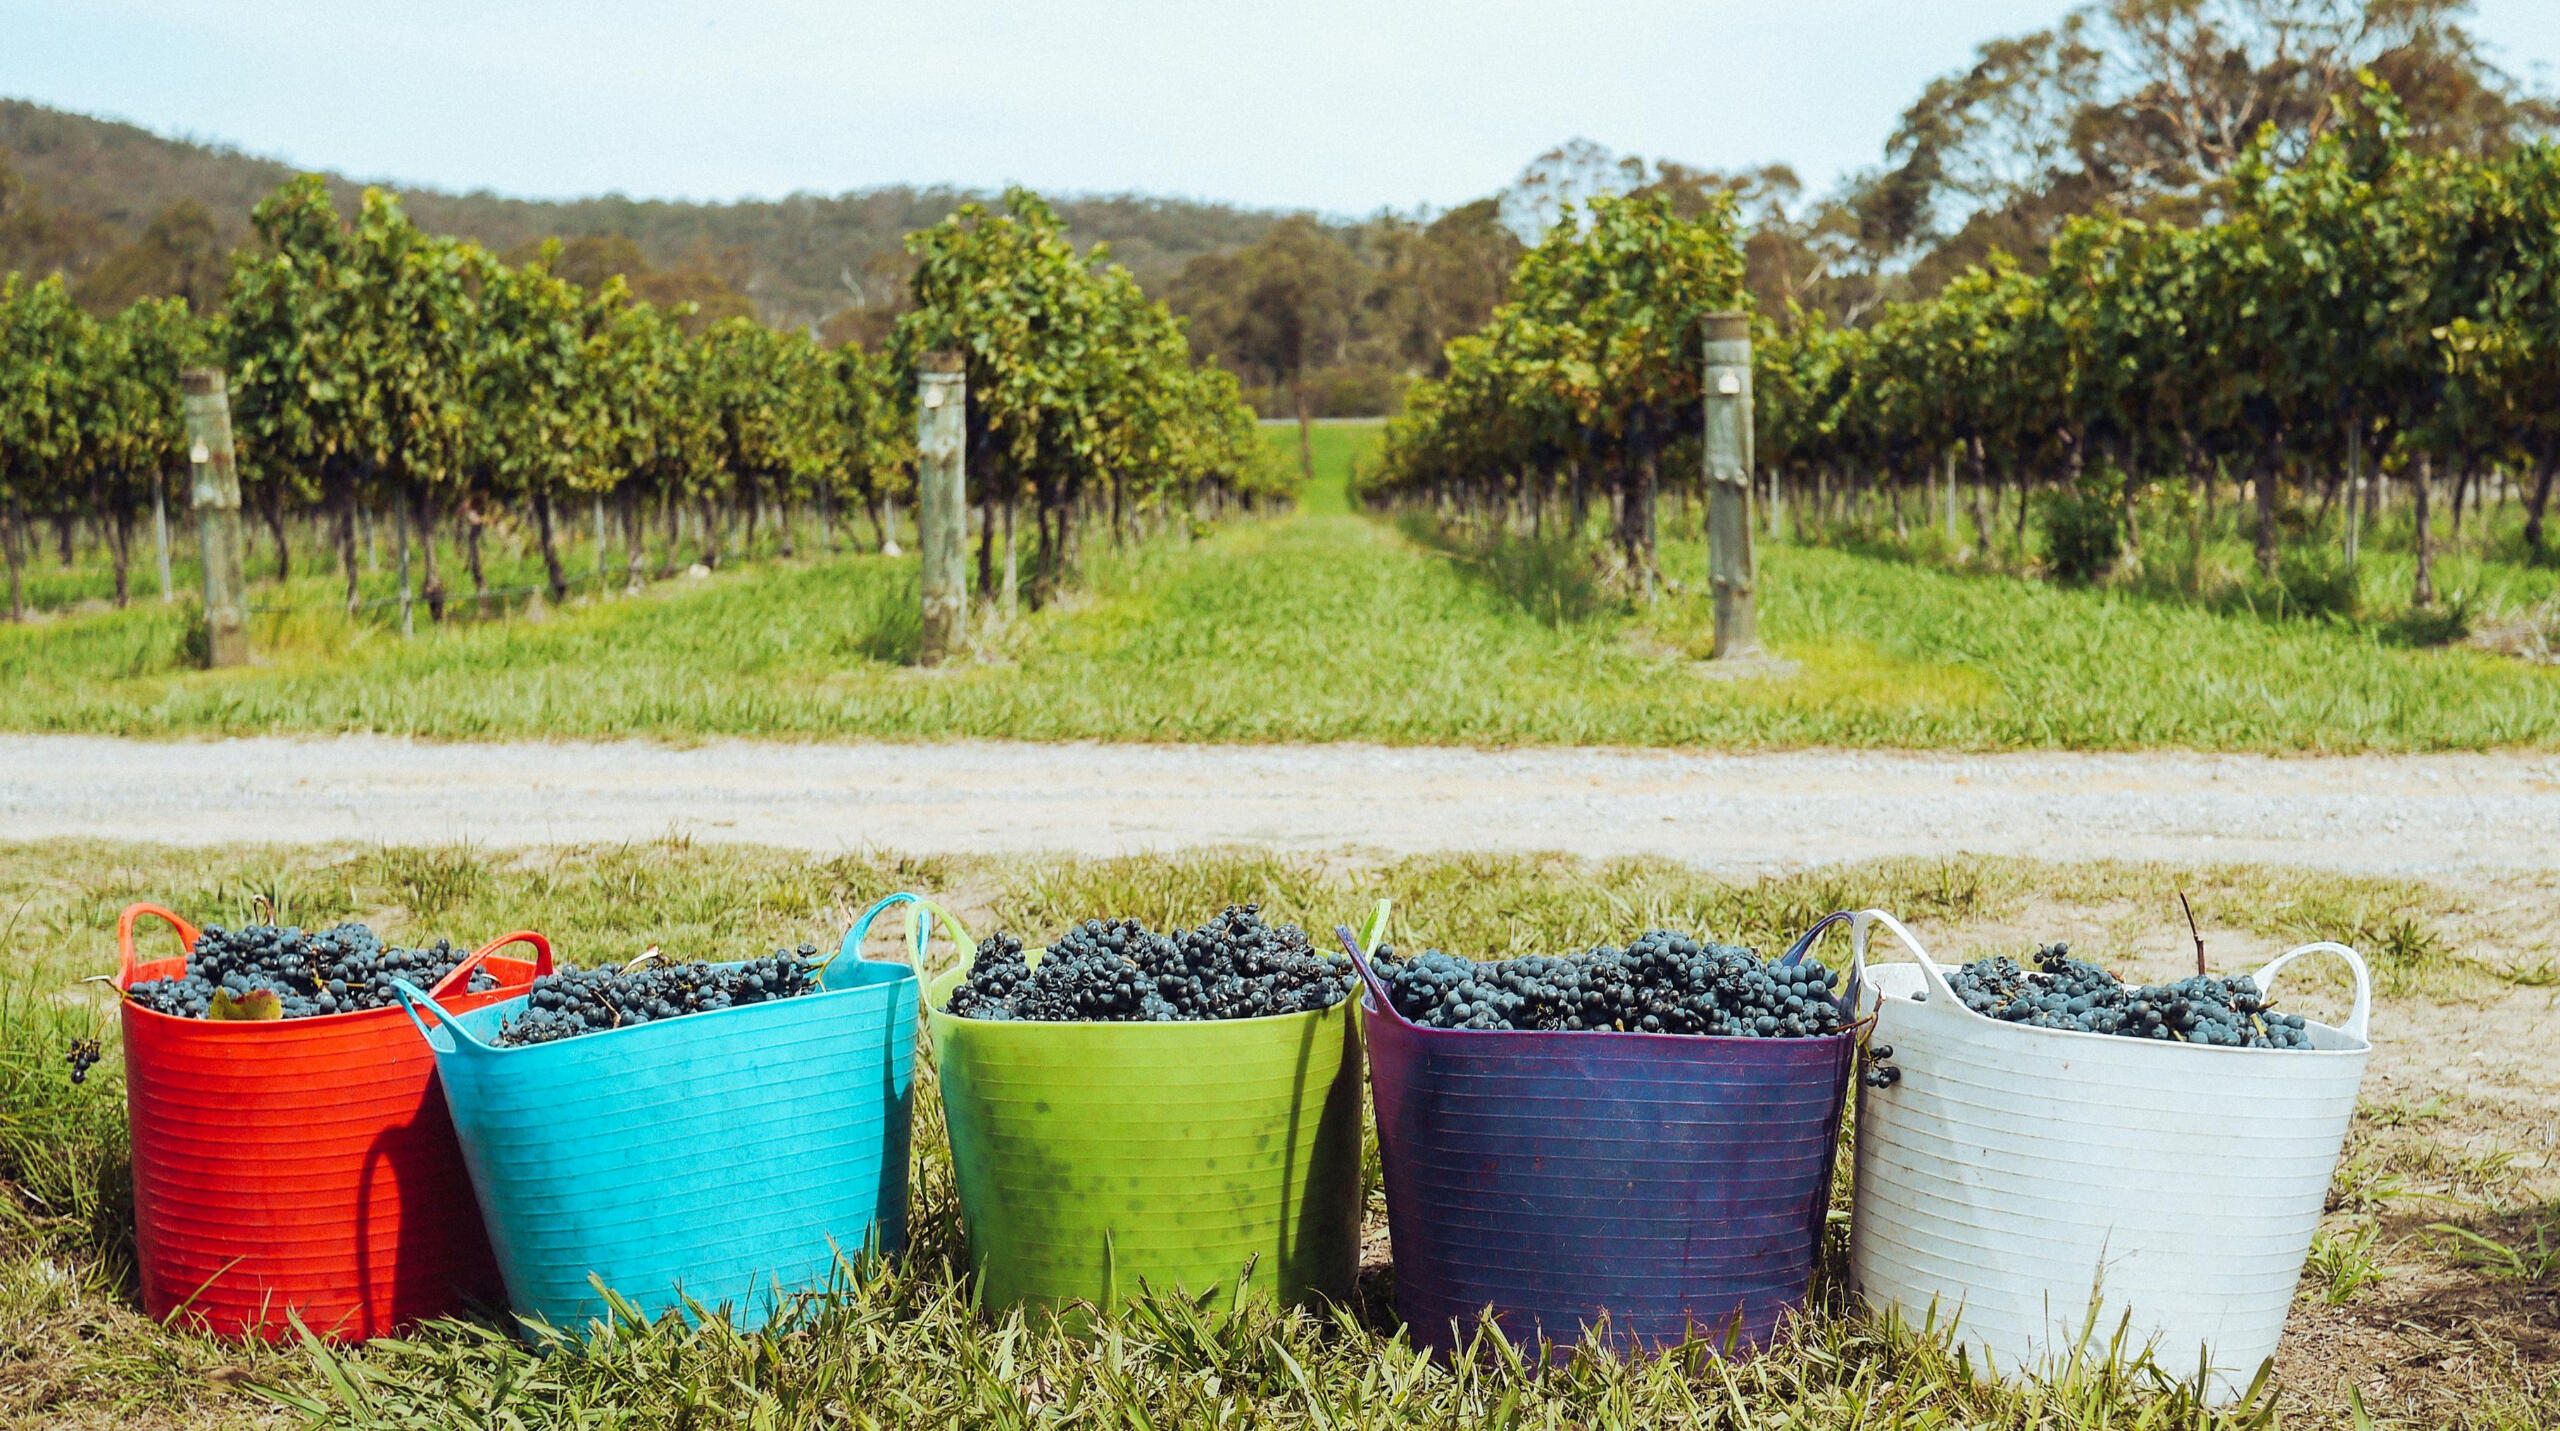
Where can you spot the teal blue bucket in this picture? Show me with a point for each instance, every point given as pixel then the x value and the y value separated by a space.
pixel 726 1160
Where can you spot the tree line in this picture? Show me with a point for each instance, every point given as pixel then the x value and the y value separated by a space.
pixel 92 189
pixel 2366 314
pixel 379 371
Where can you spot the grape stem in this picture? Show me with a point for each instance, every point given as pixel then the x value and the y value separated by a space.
pixel 2192 930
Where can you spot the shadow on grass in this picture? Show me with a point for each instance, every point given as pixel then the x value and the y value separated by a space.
pixel 1555 579
pixel 2312 586
pixel 890 632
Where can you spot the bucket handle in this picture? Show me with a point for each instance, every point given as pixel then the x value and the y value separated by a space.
pixel 1866 919
pixel 459 981
pixel 411 997
pixel 133 913
pixel 1855 974
pixel 1360 950
pixel 2358 1018
pixel 920 933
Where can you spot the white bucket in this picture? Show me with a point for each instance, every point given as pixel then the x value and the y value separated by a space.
pixel 2044 1189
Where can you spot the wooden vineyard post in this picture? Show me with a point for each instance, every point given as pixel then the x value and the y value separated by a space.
pixel 942 505
pixel 216 499
pixel 160 530
pixel 1951 499
pixel 2355 492
pixel 1728 446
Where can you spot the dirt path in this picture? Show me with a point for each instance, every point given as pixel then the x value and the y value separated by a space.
pixel 2379 814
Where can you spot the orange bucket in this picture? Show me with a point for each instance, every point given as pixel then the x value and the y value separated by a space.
pixel 306 1166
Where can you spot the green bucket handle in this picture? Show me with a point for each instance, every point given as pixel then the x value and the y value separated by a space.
pixel 926 912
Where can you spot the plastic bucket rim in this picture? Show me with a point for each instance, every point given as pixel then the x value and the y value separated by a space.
pixel 124 992
pixel 810 998
pixel 935 997
pixel 2362 1046
pixel 1798 948
pixel 1369 1007
pixel 257 1028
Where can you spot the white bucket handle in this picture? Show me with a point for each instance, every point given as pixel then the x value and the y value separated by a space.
pixel 2361 1015
pixel 1937 977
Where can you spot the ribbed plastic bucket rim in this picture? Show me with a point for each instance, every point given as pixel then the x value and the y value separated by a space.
pixel 1373 995
pixel 2358 1026
pixel 593 1039
pixel 189 933
pixel 411 996
pixel 938 993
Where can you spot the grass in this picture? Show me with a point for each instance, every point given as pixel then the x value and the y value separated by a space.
pixel 1338 448
pixel 904 1345
pixel 2487 572
pixel 1318 626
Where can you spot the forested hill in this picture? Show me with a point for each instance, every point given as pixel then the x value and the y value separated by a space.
pixel 102 183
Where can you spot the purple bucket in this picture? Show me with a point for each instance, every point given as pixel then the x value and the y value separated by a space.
pixel 1642 1189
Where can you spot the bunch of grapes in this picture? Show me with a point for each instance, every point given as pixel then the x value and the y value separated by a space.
pixel 1119 971
pixel 83 1056
pixel 583 1001
pixel 2067 993
pixel 1661 983
pixel 334 971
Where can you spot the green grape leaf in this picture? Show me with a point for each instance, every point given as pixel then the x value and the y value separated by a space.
pixel 255 1006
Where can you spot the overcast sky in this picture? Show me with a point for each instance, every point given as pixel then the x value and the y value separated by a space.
pixel 1342 107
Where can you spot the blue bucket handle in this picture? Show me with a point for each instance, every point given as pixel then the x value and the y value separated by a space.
pixel 411 996
pixel 1804 942
pixel 926 912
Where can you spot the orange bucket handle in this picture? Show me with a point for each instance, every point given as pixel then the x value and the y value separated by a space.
pixel 124 937
pixel 460 978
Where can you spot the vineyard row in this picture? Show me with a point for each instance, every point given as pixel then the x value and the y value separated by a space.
pixel 378 374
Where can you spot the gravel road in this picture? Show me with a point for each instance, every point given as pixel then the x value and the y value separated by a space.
pixel 2431 815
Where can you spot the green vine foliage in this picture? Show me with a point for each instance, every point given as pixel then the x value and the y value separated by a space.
pixel 2364 309
pixel 1082 393
pixel 89 415
pixel 1575 388
pixel 374 366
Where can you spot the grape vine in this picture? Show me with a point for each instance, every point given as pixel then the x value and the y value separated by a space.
pixel 376 370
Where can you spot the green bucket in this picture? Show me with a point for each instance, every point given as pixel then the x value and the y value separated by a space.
pixel 1096 1160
